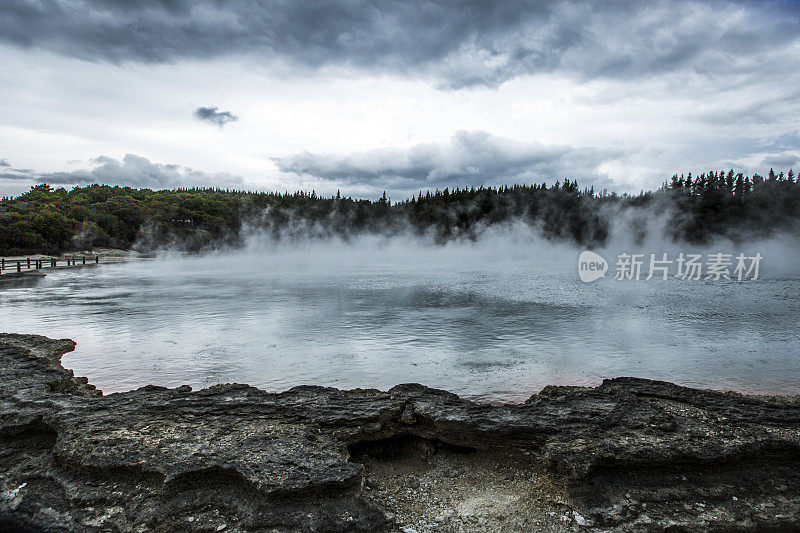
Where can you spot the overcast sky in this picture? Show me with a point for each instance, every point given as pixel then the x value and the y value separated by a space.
pixel 364 96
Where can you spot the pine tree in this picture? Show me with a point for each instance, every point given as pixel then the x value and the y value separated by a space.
pixel 738 189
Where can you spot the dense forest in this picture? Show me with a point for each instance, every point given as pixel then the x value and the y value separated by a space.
pixel 695 209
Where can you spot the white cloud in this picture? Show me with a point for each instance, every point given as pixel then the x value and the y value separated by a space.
pixel 136 171
pixel 469 158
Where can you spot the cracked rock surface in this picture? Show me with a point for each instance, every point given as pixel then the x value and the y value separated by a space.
pixel 628 455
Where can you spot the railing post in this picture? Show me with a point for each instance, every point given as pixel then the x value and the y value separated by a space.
pixel 19 266
pixel 83 257
pixel 29 262
pixel 97 259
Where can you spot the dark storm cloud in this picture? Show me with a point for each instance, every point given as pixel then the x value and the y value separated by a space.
pixel 16 174
pixel 742 113
pixel 458 43
pixel 210 114
pixel 12 176
pixel 136 171
pixel 471 158
pixel 781 161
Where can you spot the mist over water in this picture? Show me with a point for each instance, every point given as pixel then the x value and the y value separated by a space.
pixel 494 320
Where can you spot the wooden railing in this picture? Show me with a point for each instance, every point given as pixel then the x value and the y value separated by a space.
pixel 17 265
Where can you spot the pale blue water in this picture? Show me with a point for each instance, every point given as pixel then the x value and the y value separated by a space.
pixel 486 324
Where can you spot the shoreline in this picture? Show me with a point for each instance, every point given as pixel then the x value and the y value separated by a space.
pixel 628 455
pixel 27 275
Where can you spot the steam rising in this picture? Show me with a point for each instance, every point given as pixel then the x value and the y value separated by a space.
pixel 311 249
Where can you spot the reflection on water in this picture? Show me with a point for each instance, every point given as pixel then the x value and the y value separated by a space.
pixel 498 331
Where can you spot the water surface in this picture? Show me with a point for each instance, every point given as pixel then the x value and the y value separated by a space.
pixel 489 326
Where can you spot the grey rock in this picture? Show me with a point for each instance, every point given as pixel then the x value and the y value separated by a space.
pixel 151 459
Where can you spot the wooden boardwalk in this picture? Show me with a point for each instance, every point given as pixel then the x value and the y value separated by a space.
pixel 29 265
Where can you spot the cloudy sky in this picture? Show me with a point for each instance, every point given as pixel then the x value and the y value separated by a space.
pixel 366 96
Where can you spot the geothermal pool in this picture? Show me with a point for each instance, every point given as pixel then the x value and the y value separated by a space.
pixel 489 323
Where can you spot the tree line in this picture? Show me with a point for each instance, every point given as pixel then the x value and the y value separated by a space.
pixel 696 209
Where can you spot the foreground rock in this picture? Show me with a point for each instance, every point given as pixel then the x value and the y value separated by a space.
pixel 629 455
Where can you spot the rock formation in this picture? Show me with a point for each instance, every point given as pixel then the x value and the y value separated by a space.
pixel 628 455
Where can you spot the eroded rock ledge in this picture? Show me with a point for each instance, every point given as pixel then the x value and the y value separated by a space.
pixel 629 455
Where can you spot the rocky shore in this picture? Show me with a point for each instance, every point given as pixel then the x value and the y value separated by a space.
pixel 629 455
